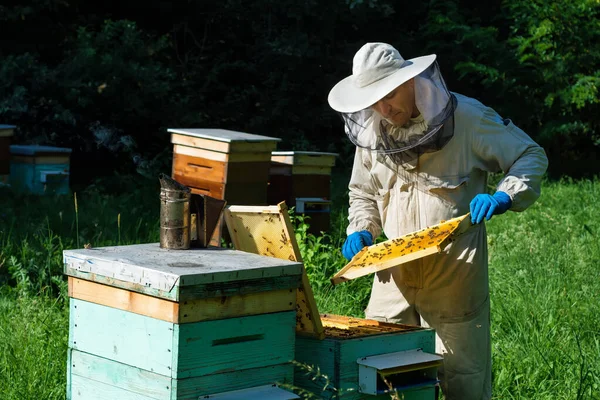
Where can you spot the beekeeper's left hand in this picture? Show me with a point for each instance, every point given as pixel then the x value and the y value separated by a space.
pixel 485 206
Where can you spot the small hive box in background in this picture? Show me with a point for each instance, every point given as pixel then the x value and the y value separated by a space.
pixel 151 323
pixel 6 133
pixel 303 180
pixel 40 169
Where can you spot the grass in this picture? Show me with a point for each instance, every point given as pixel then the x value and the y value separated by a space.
pixel 544 270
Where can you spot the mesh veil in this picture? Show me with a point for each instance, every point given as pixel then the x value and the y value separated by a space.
pixel 367 129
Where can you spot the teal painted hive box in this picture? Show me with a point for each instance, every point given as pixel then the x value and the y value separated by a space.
pixel 357 354
pixel 152 323
pixel 40 169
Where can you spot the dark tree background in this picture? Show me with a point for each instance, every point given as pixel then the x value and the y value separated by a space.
pixel 108 78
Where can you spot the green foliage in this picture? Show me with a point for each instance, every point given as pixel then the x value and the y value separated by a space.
pixel 535 62
pixel 543 265
pixel 33 347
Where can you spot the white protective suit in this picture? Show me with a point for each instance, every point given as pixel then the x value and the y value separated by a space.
pixel 447 291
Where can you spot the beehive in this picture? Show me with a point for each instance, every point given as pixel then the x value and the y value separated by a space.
pixel 40 169
pixel 303 178
pixel 151 323
pixel 349 340
pixel 6 133
pixel 223 164
pixel 338 346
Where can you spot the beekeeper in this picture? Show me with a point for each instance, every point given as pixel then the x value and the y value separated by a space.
pixel 423 155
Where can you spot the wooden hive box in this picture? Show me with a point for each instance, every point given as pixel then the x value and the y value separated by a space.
pixel 303 180
pixel 6 133
pixel 152 323
pixel 40 169
pixel 223 164
pixel 348 341
pixel 348 351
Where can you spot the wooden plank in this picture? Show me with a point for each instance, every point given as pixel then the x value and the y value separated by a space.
pixel 213 347
pixel 266 392
pixel 41 159
pixel 89 389
pixel 129 338
pixel 134 287
pixel 192 388
pixel 403 249
pixel 238 288
pixel 196 169
pixel 226 157
pixel 124 300
pixel 237 306
pixel 224 135
pixel 208 188
pixel 221 146
pixel 192 310
pixel 268 231
pixel 155 386
pixel 119 375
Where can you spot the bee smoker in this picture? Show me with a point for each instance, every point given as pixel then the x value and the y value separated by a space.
pixel 186 219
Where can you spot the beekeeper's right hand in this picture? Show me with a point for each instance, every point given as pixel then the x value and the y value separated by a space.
pixel 355 242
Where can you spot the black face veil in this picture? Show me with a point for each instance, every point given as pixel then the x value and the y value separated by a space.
pixel 429 133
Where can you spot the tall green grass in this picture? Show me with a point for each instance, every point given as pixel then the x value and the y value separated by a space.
pixel 544 280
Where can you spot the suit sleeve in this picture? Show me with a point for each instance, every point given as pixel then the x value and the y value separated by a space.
pixel 502 146
pixel 363 213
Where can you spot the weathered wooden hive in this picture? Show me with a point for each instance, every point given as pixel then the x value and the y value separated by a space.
pixel 303 180
pixel 152 323
pixel 223 164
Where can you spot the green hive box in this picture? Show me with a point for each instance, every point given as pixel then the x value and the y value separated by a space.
pixel 357 352
pixel 40 169
pixel 152 323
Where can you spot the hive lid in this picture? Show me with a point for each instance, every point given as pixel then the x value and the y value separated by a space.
pixel 223 135
pixel 148 269
pixel 32 150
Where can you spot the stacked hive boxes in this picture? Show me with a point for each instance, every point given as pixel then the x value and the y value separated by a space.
pixel 6 133
pixel 303 179
pixel 223 164
pixel 40 169
pixel 227 165
pixel 151 323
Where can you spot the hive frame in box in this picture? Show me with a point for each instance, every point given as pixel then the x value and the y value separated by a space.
pixel 267 230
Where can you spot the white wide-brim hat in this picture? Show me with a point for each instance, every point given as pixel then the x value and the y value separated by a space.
pixel 377 69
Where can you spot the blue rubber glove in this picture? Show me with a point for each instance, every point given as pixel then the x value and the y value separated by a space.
pixel 355 242
pixel 484 205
